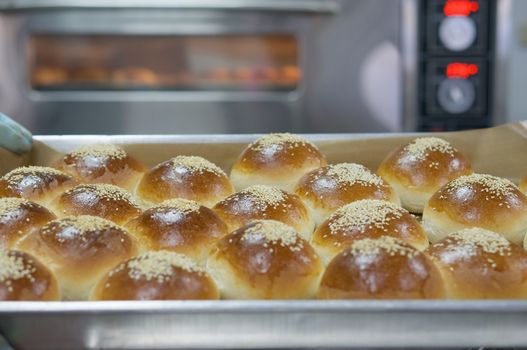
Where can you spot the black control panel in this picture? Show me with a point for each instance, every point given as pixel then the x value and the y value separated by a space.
pixel 456 50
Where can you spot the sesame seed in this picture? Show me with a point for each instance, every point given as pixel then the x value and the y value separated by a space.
pixel 492 185
pixel 105 192
pixel 263 196
pixel 14 177
pixel 8 205
pixel 99 151
pixel 184 205
pixel 351 173
pixel 196 164
pixel 279 139
pixel 159 265
pixel 82 224
pixel 390 245
pixel 13 267
pixel 421 147
pixel 274 232
pixel 488 241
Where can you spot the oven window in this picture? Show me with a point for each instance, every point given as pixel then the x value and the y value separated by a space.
pixel 121 62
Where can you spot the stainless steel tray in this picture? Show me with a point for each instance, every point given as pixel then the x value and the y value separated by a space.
pixel 257 324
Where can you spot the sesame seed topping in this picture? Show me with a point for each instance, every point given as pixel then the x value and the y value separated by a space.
pixel 184 205
pixel 496 187
pixel 263 196
pixel 82 224
pixel 274 232
pixel 14 177
pixel 421 147
pixel 8 205
pixel 351 173
pixel 488 241
pixel 13 267
pixel 197 164
pixel 389 244
pixel 363 214
pixel 105 192
pixel 279 139
pixel 158 265
pixel 99 151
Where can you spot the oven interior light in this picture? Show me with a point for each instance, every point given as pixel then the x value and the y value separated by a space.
pixel 461 70
pixel 460 7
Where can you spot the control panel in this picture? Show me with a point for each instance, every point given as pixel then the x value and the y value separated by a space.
pixel 456 50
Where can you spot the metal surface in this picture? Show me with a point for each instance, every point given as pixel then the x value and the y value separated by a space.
pixel 338 48
pixel 264 324
pixel 267 5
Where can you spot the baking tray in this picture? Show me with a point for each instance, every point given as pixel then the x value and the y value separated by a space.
pixel 274 324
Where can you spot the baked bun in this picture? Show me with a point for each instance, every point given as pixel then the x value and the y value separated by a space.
pixel 80 250
pixel 266 203
pixel 523 185
pixel 187 177
pixel 22 277
pixel 265 259
pixel 367 218
pixel 160 275
pixel 477 200
pixel 106 201
pixel 382 268
pixel 102 164
pixel 276 160
pixel 19 217
pixel 36 183
pixel 179 225
pixel 480 264
pixel 420 168
pixel 326 189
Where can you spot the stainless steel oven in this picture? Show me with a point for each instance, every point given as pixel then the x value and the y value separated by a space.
pixel 226 66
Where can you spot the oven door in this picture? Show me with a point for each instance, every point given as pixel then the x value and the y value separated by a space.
pixel 201 67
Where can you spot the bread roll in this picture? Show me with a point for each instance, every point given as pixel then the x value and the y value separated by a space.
pixel 179 225
pixel 265 202
pixel 276 160
pixel 477 200
pixel 265 259
pixel 160 275
pixel 103 163
pixel 523 185
pixel 481 264
pixel 19 217
pixel 187 177
pixel 106 201
pixel 382 268
pixel 80 250
pixel 367 218
pixel 22 277
pixel 36 183
pixel 420 168
pixel 326 189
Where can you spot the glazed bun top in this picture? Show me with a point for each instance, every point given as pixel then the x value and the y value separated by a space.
pixel 20 217
pixel 480 200
pixel 160 275
pixel 369 218
pixel 36 183
pixel 22 277
pixel 265 203
pixel 335 185
pixel 102 163
pixel 276 159
pixel 103 200
pixel 426 163
pixel 188 177
pixel 382 268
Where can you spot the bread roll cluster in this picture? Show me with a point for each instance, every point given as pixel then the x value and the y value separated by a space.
pixel 285 224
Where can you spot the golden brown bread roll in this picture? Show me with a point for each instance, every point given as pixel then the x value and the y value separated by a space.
pixel 276 160
pixel 106 201
pixel 382 268
pixel 367 218
pixel 80 250
pixel 160 275
pixel 22 277
pixel 36 183
pixel 265 259
pixel 179 225
pixel 477 200
pixel 186 177
pixel 326 189
pixel 103 163
pixel 481 264
pixel 266 203
pixel 20 217
pixel 420 168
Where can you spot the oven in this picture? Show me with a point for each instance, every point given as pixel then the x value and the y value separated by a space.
pixel 239 66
